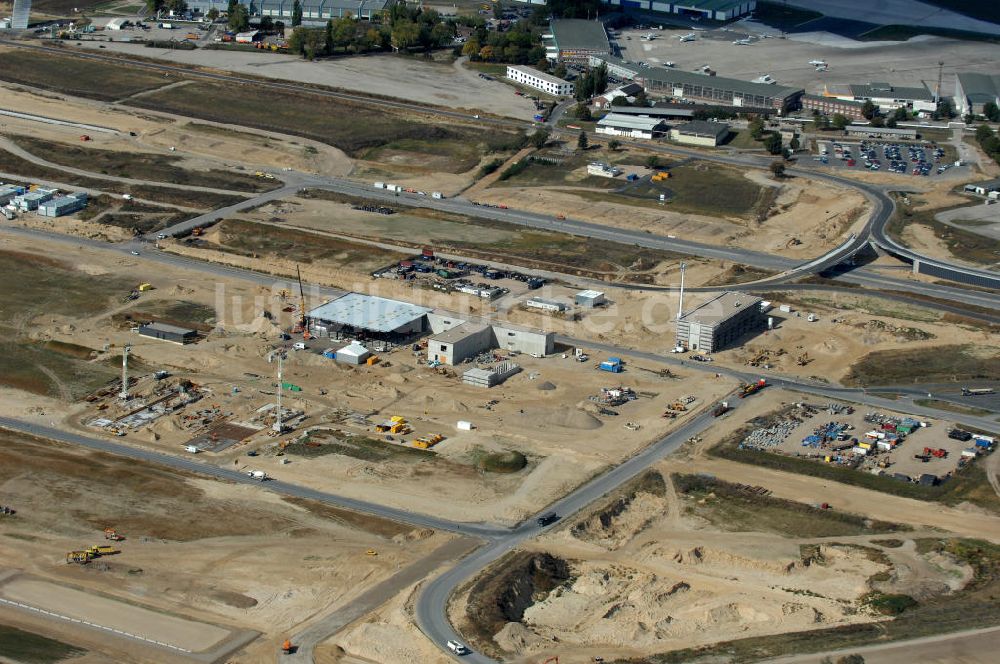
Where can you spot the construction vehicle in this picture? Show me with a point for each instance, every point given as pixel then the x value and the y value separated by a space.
pixel 79 557
pixel 99 550
pixel 287 648
pixel 721 409
pixel 371 552
pixel 677 405
pixel 976 391
pixel 113 535
pixel 937 453
pixel 258 475
pixel 750 388
pixel 803 359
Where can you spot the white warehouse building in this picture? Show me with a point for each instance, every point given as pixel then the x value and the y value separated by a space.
pixel 630 126
pixel 454 339
pixel 534 78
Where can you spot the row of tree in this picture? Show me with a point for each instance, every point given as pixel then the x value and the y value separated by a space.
pixel 520 44
pixel 592 82
pixel 988 141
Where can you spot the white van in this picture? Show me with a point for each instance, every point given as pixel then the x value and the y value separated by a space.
pixel 299 345
pixel 457 648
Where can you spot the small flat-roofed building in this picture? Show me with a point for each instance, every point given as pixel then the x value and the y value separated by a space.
pixel 459 343
pixel 885 95
pixel 117 23
pixel 720 322
pixel 457 340
pixel 249 37
pixel 849 108
pixel 165 332
pixel 589 299
pixel 31 200
pixel 867 131
pixel 58 207
pixel 628 92
pixel 700 132
pixel 9 192
pixel 551 306
pixel 575 40
pixel 535 78
pixel 630 126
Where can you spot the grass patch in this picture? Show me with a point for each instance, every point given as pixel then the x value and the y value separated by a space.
pixel 952 407
pixel 313 116
pixel 141 165
pixel 91 79
pixel 203 200
pixel 967 484
pixel 972 607
pixel 181 313
pixel 738 274
pixel 925 365
pixel 247 238
pixel 32 648
pixel 321 443
pixel 732 507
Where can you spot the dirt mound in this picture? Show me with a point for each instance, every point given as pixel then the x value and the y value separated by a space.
pixel 568 418
pixel 448 405
pixel 518 639
pixel 625 517
pixel 545 387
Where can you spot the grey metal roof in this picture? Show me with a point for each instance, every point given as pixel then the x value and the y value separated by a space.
pixel 849 102
pixel 577 34
pixel 459 332
pixel 721 307
pixel 655 111
pixel 703 128
pixel 369 312
pixel 709 5
pixel 678 78
pixel 167 328
pixel 629 121
pixel 980 87
pixel 880 90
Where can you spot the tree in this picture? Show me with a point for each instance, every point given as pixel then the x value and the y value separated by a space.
pixel 878 121
pixel 640 99
pixel 487 54
pixel 406 34
pixel 582 112
pixel 891 121
pixel 620 100
pixel 600 75
pixel 778 169
pixel 901 114
pixel 945 109
pixel 175 6
pixel 851 659
pixel 266 24
pixel 212 15
pixel 756 128
pixel 868 109
pixel 296 14
pixel 840 121
pixel 822 122
pixel 279 28
pixel 498 10
pixel 991 111
pixel 794 144
pixel 652 162
pixel 983 132
pixel 559 71
pixel 239 19
pixel 471 48
pixel 614 144
pixel 772 143
pixel 581 140
pixel 539 138
pixel 442 34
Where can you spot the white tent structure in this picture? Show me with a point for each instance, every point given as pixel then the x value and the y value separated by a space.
pixel 354 353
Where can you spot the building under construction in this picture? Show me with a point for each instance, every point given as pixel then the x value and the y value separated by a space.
pixel 720 322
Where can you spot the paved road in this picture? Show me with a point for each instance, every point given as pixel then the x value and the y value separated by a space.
pixel 322 629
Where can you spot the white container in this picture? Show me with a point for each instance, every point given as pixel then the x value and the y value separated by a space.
pixel 380 185
pixel 437 194
pixel 785 308
pixel 193 449
pixel 464 425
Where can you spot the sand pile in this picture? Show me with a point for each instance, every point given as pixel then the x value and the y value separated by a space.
pixel 260 326
pixel 517 639
pixel 448 405
pixel 568 418
pixel 545 387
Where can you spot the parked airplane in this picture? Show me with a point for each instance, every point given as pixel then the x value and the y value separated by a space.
pixel 743 42
pixel 650 36
pixel 688 37
pixel 764 78
pixel 818 63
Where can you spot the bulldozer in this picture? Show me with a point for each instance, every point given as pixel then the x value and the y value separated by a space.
pixel 113 535
pixel 287 648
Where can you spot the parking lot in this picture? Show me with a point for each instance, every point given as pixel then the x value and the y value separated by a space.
pixel 452 276
pixel 927 159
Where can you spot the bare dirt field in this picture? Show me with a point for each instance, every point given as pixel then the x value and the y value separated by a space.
pixel 429 82
pixel 194 549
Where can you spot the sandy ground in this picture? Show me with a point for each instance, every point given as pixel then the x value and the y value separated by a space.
pixel 177 632
pixel 787 60
pixel 807 218
pixel 209 143
pixel 441 84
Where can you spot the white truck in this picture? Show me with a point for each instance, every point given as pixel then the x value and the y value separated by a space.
pixel 258 475
pixel 380 185
pixel 437 194
pixel 193 449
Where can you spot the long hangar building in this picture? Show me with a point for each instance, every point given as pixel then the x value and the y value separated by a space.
pixel 718 10
pixel 704 89
pixel 313 11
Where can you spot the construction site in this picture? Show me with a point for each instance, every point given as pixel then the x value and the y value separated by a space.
pixel 255 406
